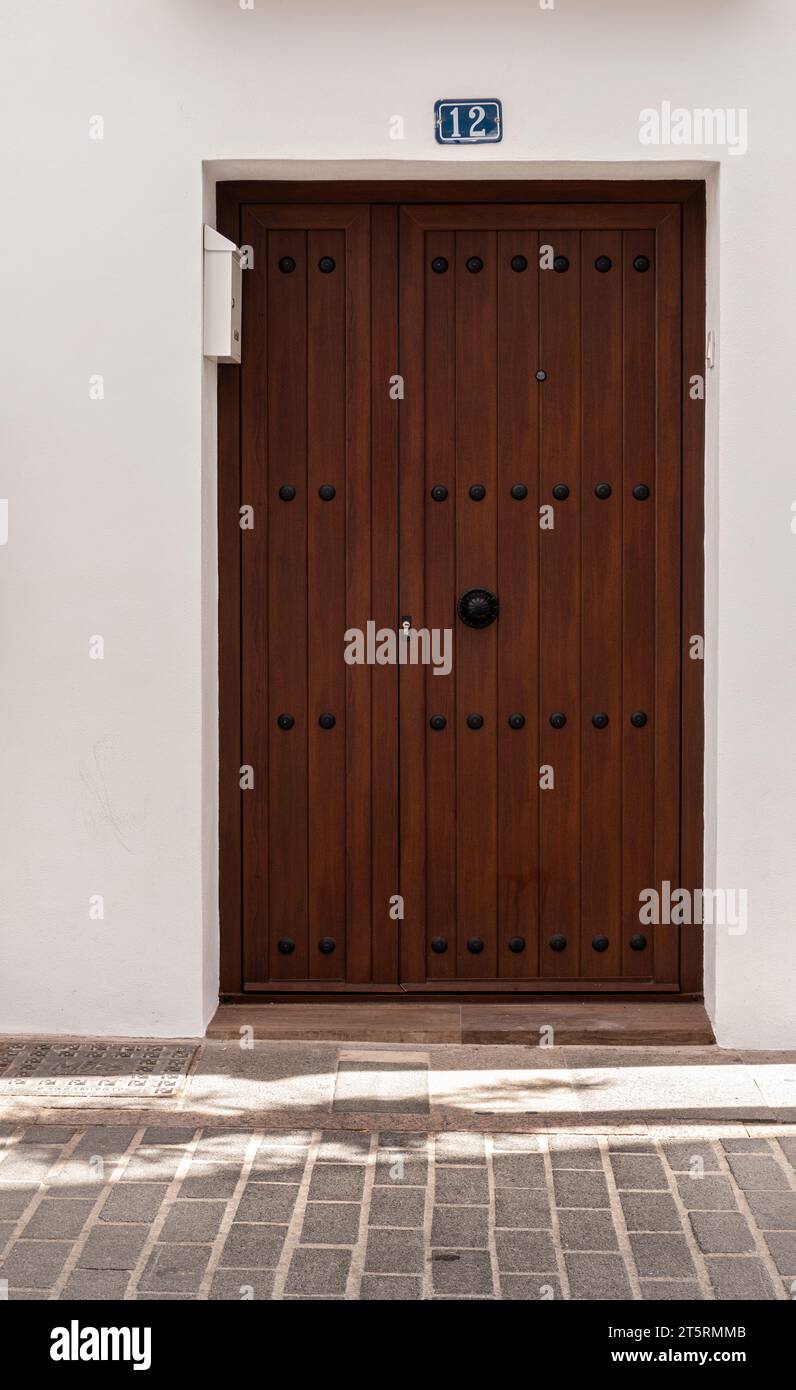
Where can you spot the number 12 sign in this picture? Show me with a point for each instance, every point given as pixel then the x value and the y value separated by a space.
pixel 473 122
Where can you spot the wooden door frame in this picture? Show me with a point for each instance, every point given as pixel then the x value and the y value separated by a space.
pixel 690 195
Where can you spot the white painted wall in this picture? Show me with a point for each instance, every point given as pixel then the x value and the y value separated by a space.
pixel 107 768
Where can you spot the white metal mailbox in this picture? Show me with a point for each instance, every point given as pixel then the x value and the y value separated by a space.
pixel 222 297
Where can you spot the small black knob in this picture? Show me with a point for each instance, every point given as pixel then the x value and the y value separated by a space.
pixel 516 721
pixel 326 492
pixel 637 943
pixel 439 265
pixel 558 719
pixel 602 491
pixel 603 263
pixel 474 264
pixel 285 947
pixel 600 721
pixel 516 944
pixel 638 719
pixel 641 492
pixel 561 492
pixel 519 263
pixel 599 943
pixel 541 375
pixel 437 722
pixel 475 945
pixel 327 721
pixel 326 945
pixel 285 721
pixel 478 492
pixel 287 492
pixel 439 945
pixel 478 607
pixel 560 263
pixel 557 943
pixel 287 265
pixel 326 264
pixel 641 263
pixel 519 492
pixel 475 721
pixel 439 493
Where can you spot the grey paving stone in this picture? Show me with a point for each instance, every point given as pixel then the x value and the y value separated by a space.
pixel 80 1179
pixel 53 1220
pixel 223 1146
pixel 580 1189
pixel 395 1252
pixel 455 1147
pixel 601 1277
pixel 13 1201
pixel 399 1167
pixel 343 1146
pixel 44 1134
pixel 516 1143
pixel 406 1141
pixel 523 1207
pixel 403 1206
pixel 337 1182
pixel 249 1246
pixel 285 1140
pixel 782 1245
pixel 525 1252
pixel 788 1145
pixel 739 1276
pixel 576 1159
pixel 587 1230
pixel 650 1211
pixel 34 1264
pixel 667 1256
pixel 318 1271
pixel 681 1155
pixel 706 1194
pixel 754 1172
pixel 461 1272
pixel 631 1143
pixel 530 1287
pixel 384 1287
pixel 262 1201
pixel 108 1140
pixel 96 1285
pixel 721 1232
pixel 193 1222
pixel 113 1247
pixel 172 1135
pixel 461 1185
pixel 460 1227
pixel 518 1170
pixel 639 1171
pixel 277 1167
pixel 670 1290
pixel 28 1164
pixel 331 1223
pixel 155 1164
pixel 135 1201
pixel 175 1268
pixel 205 1180
pixel 242 1285
pixel 747 1145
pixel 773 1211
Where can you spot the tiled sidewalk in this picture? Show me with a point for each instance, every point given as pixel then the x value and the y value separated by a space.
pixel 111 1212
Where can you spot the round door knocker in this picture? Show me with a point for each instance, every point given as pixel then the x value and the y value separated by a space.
pixel 477 607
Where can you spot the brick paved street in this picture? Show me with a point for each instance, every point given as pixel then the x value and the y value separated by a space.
pixel 118 1211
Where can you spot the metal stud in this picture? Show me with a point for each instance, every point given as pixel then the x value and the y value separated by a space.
pixel 439 945
pixel 287 265
pixel 558 719
pixel 603 490
pixel 519 263
pixel 285 721
pixel 641 492
pixel 641 263
pixel 287 492
pixel 474 264
pixel 600 721
pixel 326 945
pixel 326 264
pixel 541 376
pixel 599 943
pixel 439 265
pixel 561 492
pixel 519 492
pixel 603 263
pixel 439 493
pixel 475 721
pixel 638 719
pixel 516 721
pixel 327 721
pixel 285 947
pixel 475 945
pixel 638 942
pixel 326 492
pixel 516 944
pixel 477 492
pixel 437 722
pixel 557 943
pixel 560 263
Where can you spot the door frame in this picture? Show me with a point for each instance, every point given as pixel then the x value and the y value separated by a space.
pixel 690 195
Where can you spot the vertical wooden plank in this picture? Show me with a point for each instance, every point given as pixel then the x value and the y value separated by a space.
pixel 559 606
pixel 518 623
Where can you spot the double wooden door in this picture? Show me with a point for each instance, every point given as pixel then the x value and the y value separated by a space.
pixel 461 417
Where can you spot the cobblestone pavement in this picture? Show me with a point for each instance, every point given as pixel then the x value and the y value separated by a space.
pixel 111 1212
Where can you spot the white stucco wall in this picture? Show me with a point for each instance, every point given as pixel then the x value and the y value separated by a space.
pixel 107 768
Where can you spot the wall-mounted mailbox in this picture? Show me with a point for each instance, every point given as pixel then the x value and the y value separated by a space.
pixel 222 297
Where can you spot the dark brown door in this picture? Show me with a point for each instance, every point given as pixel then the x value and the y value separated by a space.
pixel 521 803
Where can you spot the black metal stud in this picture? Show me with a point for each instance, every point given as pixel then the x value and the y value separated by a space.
pixel 603 490
pixel 287 492
pixel 437 722
pixel 557 943
pixel 600 720
pixel 641 263
pixel 474 264
pixel 475 945
pixel 439 493
pixel 326 945
pixel 641 492
pixel 516 944
pixel 475 721
pixel 558 719
pixel 477 492
pixel 541 376
pixel 638 943
pixel 326 264
pixel 519 492
pixel 285 946
pixel 439 265
pixel 599 943
pixel 287 265
pixel 327 721
pixel 638 719
pixel 519 263
pixel 516 721
pixel 285 721
pixel 326 492
pixel 603 263
pixel 561 492
pixel 560 263
pixel 478 607
pixel 439 945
